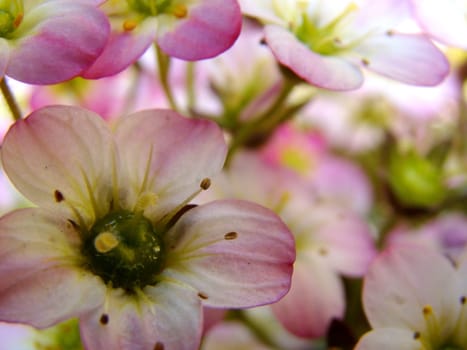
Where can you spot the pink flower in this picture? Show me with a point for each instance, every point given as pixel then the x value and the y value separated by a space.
pixel 331 241
pixel 190 30
pixel 45 42
pixel 326 42
pixel 114 241
pixel 415 299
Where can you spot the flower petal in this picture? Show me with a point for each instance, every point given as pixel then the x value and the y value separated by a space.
pixel 210 28
pixel 61 157
pixel 122 49
pixel 169 314
pixel 40 282
pixel 63 38
pixel 315 298
pixel 403 280
pixel 327 72
pixel 411 59
pixel 234 253
pixel 4 56
pixel 388 339
pixel 167 155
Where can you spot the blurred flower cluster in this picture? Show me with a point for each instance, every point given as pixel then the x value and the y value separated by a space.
pixel 233 174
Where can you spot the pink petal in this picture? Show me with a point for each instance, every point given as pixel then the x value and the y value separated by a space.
pixel 234 253
pixel 169 314
pixel 210 28
pixel 69 37
pixel 411 59
pixel 62 157
pixel 315 298
pixel 174 154
pixel 4 56
pixel 122 49
pixel 328 72
pixel 389 339
pixel 232 335
pixel 403 280
pixel 40 284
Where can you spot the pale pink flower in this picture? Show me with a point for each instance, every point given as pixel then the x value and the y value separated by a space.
pixel 415 299
pixel 113 241
pixel 45 42
pixel 326 42
pixel 185 29
pixel 331 241
pixel 446 21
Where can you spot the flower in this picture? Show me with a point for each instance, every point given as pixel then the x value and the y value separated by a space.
pixel 186 29
pixel 414 298
pixel 114 240
pixel 46 42
pixel 325 42
pixel 331 241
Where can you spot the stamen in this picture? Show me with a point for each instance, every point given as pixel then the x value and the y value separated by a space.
pixel 159 346
pixel 105 242
pixel 180 11
pixel 432 324
pixel 18 20
pixel 460 335
pixel 104 319
pixel 59 197
pixel 205 184
pixel 145 201
pixel 129 25
pixel 230 235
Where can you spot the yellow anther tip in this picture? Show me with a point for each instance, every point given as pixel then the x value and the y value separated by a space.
pixel 427 309
pixel 105 242
pixel 129 25
pixel 180 11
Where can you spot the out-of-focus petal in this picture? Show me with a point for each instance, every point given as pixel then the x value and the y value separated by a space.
pixel 122 49
pixel 403 280
pixel 61 157
pixel 169 315
pixel 232 336
pixel 4 56
pixel 388 339
pixel 235 253
pixel 327 72
pixel 262 10
pixel 62 39
pixel 409 58
pixel 315 298
pixel 167 155
pixel 41 283
pixel 210 28
pixel 444 20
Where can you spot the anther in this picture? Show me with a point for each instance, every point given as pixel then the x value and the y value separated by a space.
pixel 365 62
pixel 416 335
pixel 180 11
pixel 463 300
pixel 230 235
pixel 427 310
pixel 18 20
pixel 159 346
pixel 105 242
pixel 104 319
pixel 202 296
pixel 58 196
pixel 205 184
pixel 129 25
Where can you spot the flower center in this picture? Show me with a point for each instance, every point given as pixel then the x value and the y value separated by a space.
pixel 11 15
pixel 125 250
pixel 156 7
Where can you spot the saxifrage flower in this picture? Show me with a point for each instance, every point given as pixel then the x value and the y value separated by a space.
pixel 114 241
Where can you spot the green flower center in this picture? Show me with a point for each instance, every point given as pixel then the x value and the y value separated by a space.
pixel 125 250
pixel 11 15
pixel 149 8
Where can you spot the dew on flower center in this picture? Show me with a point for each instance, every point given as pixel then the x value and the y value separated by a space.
pixel 125 250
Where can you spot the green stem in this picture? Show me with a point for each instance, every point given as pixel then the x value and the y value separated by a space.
pixel 10 99
pixel 163 65
pixel 190 86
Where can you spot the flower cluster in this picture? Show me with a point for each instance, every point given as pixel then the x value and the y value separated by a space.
pixel 233 174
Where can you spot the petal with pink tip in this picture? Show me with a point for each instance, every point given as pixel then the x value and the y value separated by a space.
pixel 169 315
pixel 315 298
pixel 167 155
pixel 61 157
pixel 209 28
pixel 403 280
pixel 411 59
pixel 389 339
pixel 326 72
pixel 41 285
pixel 63 38
pixel 234 253
pixel 122 49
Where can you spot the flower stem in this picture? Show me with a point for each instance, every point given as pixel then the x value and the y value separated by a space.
pixel 10 99
pixel 163 65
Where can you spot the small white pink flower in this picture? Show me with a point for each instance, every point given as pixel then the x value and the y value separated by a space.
pixel 414 299
pixel 114 241
pixel 326 42
pixel 45 42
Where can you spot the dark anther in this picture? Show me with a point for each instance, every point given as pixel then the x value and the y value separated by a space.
pixel 202 295
pixel 159 346
pixel 230 235
pixel 74 224
pixel 205 184
pixel 104 319
pixel 58 196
